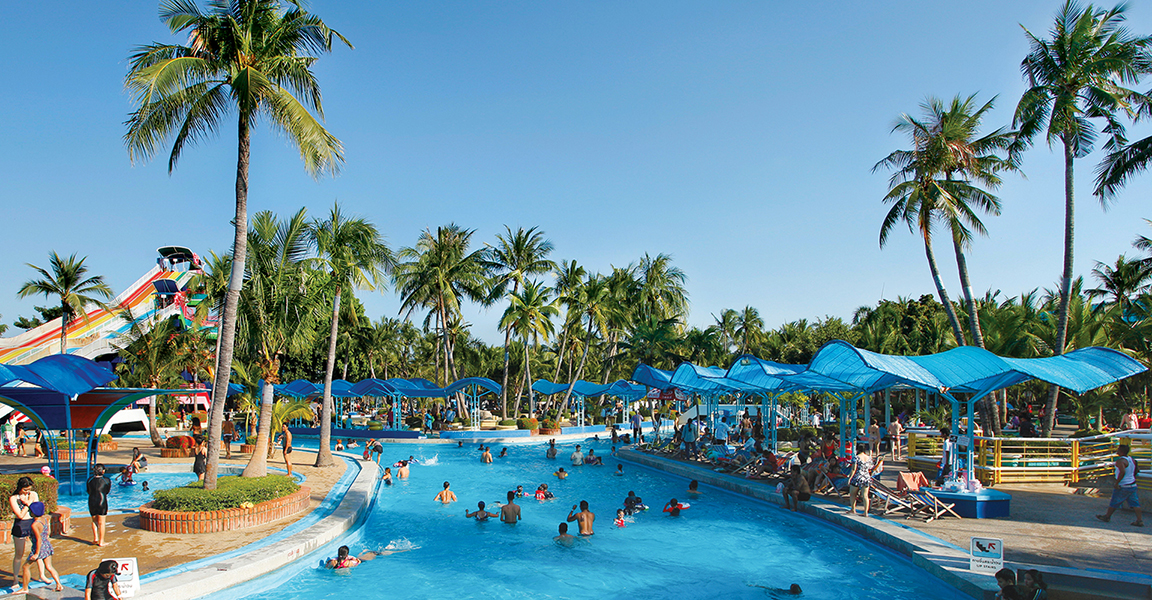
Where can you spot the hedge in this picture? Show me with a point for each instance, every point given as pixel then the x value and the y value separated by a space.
pixel 527 424
pixel 507 422
pixel 45 486
pixel 230 492
pixel 180 441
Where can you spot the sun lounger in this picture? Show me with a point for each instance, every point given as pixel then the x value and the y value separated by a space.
pixel 911 482
pixel 924 500
pixel 892 501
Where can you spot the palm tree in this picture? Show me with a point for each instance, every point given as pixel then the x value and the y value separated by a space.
pixel 726 325
pixel 353 254
pixel 1075 77
pixel 1120 283
pixel 280 310
pixel 749 326
pixel 438 273
pixel 151 360
pixel 569 276
pixel 283 411
pixel 248 56
pixel 591 300
pixel 529 314
pixel 68 281
pixel 515 257
pixel 662 291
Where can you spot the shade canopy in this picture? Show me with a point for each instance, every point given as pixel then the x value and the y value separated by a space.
pixel 65 373
pixel 620 389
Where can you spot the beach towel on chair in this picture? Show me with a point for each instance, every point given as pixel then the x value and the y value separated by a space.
pixel 911 482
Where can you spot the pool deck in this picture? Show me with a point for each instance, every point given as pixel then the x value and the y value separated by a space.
pixel 1052 527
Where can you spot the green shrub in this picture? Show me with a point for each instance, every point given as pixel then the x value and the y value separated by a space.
pixel 548 424
pixel 785 435
pixel 166 420
pixel 231 492
pixel 414 422
pixel 104 439
pixel 180 441
pixel 507 422
pixel 45 487
pixel 1086 433
pixel 251 440
pixel 527 424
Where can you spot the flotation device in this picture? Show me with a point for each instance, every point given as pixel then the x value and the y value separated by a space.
pixel 681 506
pixel 127 483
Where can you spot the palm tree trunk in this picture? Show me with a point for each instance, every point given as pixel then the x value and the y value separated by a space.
pixel 63 327
pixel 1065 287
pixel 324 454
pixel 579 369
pixel 528 372
pixel 504 382
pixel 966 286
pixel 227 333
pixel 153 430
pixel 948 310
pixel 258 464
pixel 560 351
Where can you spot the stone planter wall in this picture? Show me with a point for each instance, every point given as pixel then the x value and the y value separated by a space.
pixel 543 431
pixel 176 452
pixel 60 525
pixel 62 455
pixel 166 521
pixel 247 448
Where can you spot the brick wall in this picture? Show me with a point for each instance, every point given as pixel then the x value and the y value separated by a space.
pixel 166 521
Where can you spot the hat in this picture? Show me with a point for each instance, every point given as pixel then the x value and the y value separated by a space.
pixel 46 470
pixel 37 509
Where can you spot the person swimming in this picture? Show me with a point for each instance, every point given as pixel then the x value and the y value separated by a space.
pixel 633 504
pixel 344 561
pixel 619 517
pixel 387 476
pixel 480 514
pixel 673 508
pixel 542 492
pixel 143 486
pixel 503 453
pixel 619 470
pixel 561 474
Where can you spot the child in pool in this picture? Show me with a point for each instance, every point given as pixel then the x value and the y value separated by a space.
pixel 387 476
pixel 561 474
pixel 126 476
pixel 620 517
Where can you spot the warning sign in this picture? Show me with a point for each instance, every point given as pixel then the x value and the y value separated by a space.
pixel 987 555
pixel 128 576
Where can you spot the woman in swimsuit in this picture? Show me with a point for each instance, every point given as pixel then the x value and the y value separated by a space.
pixel 22 497
pixel 98 487
pixel 480 514
pixel 200 463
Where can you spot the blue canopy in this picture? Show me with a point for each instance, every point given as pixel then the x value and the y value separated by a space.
pixel 65 373
pixel 708 380
pixel 620 388
pixel 479 382
pixel 652 377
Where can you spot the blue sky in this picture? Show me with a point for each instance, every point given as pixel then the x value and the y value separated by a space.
pixel 738 137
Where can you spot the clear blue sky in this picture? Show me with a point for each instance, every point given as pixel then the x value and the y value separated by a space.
pixel 736 136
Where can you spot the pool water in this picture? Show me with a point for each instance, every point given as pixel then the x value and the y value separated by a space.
pixel 724 546
pixel 125 497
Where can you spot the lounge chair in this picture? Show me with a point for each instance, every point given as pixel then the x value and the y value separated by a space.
pixel 926 501
pixel 911 482
pixel 893 501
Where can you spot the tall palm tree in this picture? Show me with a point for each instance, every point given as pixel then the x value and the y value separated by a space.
pixel 591 299
pixel 662 290
pixel 529 314
pixel 514 257
pixel 282 304
pixel 354 256
pixel 569 276
pixel 250 57
pixel 1075 77
pixel 68 281
pixel 726 325
pixel 1120 283
pixel 438 273
pixel 749 326
pixel 151 360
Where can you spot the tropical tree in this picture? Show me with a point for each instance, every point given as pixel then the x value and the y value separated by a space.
pixel 569 277
pixel 514 257
pixel 591 300
pixel 68 280
pixel 438 273
pixel 1120 283
pixel 151 360
pixel 280 309
pixel 726 325
pixel 1075 77
pixel 353 255
pixel 248 57
pixel 529 314
pixel 749 327
pixel 285 410
pixel 661 287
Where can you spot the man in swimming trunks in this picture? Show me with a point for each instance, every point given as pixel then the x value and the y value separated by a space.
pixel 286 446
pixel 577 457
pixel 480 514
pixel 402 471
pixel 487 456
pixel 564 538
pixel 446 495
pixel 510 513
pixel 584 518
pixel 796 489
pixel 551 449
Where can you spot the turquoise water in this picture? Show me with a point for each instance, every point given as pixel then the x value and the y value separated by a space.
pixel 125 497
pixel 724 546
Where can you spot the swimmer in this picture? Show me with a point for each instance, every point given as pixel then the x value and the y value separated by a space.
pixel 503 453
pixel 592 459
pixel 619 517
pixel 412 460
pixel 387 476
pixel 633 503
pixel 520 491
pixel 480 514
pixel 344 561
pixel 446 495
pixel 793 590
pixel 584 518
pixel 577 457
pixel 561 474
pixel 673 508
pixel 619 469
pixel 460 444
pixel 542 492
pixel 402 472
pixel 551 449
pixel 693 487
pixel 565 538
pixel 339 445
pixel 510 513
pixel 143 486
pixel 486 457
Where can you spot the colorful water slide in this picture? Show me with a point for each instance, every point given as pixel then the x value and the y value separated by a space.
pixel 96 335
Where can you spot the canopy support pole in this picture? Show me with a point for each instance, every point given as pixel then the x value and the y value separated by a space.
pixel 887 406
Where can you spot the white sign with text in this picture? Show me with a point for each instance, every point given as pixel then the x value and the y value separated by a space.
pixel 128 576
pixel 987 555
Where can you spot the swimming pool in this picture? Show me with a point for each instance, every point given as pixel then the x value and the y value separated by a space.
pixel 724 546
pixel 129 498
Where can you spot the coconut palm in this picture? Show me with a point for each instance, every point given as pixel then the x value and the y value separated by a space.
pixel 749 327
pixel 248 57
pixel 285 410
pixel 282 304
pixel 354 256
pixel 1075 77
pixel 726 325
pixel 514 257
pixel 69 281
pixel 438 273
pixel 591 302
pixel 569 276
pixel 151 360
pixel 1120 283
pixel 529 314
pixel 661 287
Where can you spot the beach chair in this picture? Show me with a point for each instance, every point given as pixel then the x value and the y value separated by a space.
pixel 826 486
pixel 911 482
pixel 892 501
pixel 926 501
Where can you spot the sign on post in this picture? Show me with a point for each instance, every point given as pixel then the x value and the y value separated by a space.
pixel 987 555
pixel 128 576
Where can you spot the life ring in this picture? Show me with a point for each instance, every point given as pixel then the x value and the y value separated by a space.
pixel 680 506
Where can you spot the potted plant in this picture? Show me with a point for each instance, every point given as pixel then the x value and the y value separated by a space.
pixel 506 425
pixel 105 443
pixel 178 446
pixel 531 425
pixel 249 445
pixel 549 427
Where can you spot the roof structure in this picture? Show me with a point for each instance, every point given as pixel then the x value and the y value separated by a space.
pixel 406 388
pixel 620 388
pixel 652 377
pixel 65 373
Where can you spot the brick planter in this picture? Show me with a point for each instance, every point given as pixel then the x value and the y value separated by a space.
pixel 60 525
pixel 175 452
pixel 107 446
pixel 166 521
pixel 543 431
pixel 247 448
pixel 62 454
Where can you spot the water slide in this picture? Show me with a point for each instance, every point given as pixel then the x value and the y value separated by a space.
pixel 98 334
